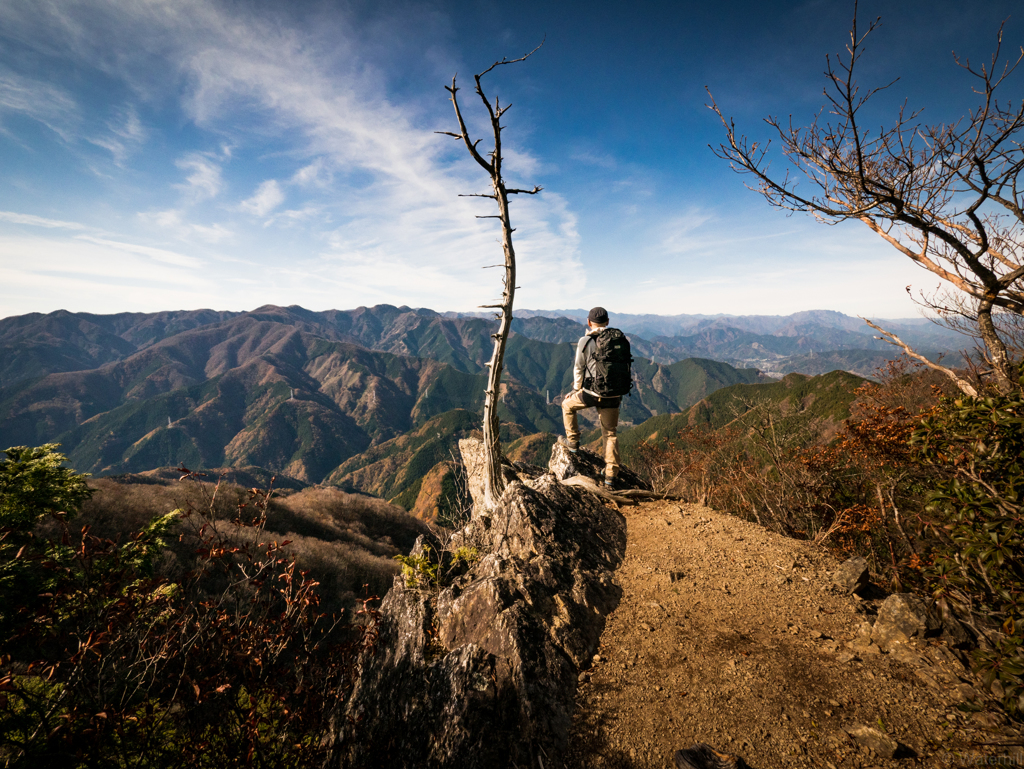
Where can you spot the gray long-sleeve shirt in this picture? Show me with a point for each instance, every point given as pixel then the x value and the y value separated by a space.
pixel 584 354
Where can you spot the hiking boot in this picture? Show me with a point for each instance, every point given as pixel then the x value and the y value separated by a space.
pixel 573 446
pixel 609 483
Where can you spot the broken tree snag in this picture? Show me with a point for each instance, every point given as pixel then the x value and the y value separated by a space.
pixel 494 482
pixel 965 387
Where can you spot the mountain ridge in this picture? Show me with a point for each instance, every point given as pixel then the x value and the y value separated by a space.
pixel 35 345
pixel 288 390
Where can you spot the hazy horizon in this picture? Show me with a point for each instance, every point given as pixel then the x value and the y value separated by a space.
pixel 569 312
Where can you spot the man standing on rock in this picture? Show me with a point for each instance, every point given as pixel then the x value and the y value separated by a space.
pixel 601 376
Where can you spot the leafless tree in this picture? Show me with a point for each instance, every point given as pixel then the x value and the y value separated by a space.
pixel 944 195
pixel 494 482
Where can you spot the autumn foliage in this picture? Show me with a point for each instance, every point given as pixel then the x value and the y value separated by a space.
pixel 106 663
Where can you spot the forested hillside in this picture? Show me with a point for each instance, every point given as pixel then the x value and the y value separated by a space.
pixel 815 406
pixel 293 392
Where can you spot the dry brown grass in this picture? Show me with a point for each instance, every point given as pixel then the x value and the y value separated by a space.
pixel 346 542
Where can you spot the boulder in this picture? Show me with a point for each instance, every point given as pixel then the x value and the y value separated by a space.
pixel 873 739
pixel 852 575
pixel 903 616
pixel 954 632
pixel 483 670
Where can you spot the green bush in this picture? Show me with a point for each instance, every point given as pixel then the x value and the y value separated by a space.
pixel 33 485
pixel 978 516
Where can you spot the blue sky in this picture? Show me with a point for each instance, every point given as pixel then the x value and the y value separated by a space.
pixel 178 154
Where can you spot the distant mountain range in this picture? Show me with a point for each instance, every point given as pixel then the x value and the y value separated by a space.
pixel 293 391
pixel 374 399
pixel 812 342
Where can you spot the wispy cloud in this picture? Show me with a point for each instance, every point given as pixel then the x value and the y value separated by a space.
pixel 40 101
pixel 267 197
pixel 294 216
pixel 39 221
pixel 599 159
pixel 174 222
pixel 125 134
pixel 203 180
pixel 700 232
pixel 310 175
pixel 158 254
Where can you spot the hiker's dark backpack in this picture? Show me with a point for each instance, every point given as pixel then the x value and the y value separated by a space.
pixel 610 372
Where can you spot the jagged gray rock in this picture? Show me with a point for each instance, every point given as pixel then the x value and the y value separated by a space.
pixel 564 465
pixel 483 671
pixel 472 451
pixel 852 575
pixel 903 616
pixel 880 742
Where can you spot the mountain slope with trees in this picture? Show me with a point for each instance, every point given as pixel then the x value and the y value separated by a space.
pixel 288 390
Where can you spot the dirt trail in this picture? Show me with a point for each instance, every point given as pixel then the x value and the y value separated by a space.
pixel 746 651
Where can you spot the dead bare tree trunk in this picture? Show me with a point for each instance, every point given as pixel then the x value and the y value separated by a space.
pixel 494 482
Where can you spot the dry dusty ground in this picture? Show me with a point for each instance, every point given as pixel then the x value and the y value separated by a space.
pixel 746 651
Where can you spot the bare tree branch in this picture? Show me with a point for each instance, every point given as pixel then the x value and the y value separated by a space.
pixel 891 338
pixel 946 196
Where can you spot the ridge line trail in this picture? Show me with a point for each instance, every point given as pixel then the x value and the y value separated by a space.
pixel 746 652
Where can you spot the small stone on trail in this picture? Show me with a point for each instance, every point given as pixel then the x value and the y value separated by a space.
pixel 702 756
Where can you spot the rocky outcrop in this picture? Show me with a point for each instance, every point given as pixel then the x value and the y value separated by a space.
pixel 901 617
pixel 874 740
pixel 565 464
pixel 481 669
